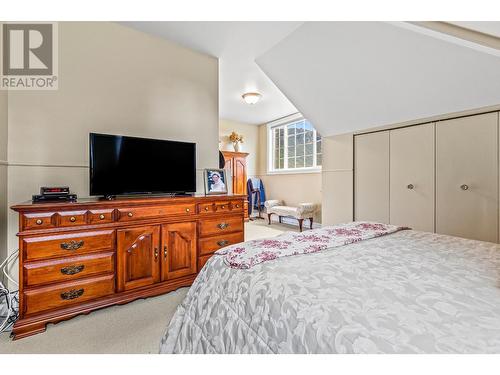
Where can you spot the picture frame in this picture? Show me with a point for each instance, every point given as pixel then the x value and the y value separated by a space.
pixel 215 181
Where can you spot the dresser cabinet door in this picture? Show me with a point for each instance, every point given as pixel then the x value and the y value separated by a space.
pixel 371 185
pixel 178 250
pixel 138 257
pixel 467 177
pixel 412 177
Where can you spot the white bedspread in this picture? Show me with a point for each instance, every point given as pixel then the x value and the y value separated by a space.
pixel 408 292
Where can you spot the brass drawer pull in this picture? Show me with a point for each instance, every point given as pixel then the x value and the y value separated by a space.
pixel 187 210
pixel 72 270
pixel 72 245
pixel 130 214
pixel 39 222
pixel 223 243
pixel 237 206
pixel 222 206
pixel 464 187
pixel 72 219
pixel 206 208
pixel 165 252
pixel 222 225
pixel 72 294
pixel 102 217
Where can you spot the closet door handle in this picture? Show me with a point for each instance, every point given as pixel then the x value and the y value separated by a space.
pixel 464 187
pixel 410 186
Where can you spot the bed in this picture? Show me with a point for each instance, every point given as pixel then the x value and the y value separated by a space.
pixel 405 292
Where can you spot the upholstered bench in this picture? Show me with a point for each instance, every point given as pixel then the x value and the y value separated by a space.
pixel 303 211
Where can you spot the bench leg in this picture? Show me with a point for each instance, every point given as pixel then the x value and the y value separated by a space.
pixel 280 219
pixel 269 218
pixel 300 223
pixel 311 223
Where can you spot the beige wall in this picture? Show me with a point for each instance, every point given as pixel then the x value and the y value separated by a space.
pixel 112 79
pixel 250 145
pixel 292 188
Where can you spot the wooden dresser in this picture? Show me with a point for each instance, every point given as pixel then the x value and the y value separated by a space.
pixel 78 257
pixel 236 164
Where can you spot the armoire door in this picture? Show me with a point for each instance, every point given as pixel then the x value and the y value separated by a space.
pixel 138 261
pixel 412 177
pixel 228 166
pixel 371 182
pixel 240 175
pixel 467 177
pixel 178 250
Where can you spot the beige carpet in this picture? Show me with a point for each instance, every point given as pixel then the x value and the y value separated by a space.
pixel 133 328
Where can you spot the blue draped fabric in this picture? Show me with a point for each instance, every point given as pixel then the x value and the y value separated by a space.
pixel 253 184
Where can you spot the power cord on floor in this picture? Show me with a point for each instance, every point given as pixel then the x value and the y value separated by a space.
pixel 9 300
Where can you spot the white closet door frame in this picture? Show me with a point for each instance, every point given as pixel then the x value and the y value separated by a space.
pixel 467 177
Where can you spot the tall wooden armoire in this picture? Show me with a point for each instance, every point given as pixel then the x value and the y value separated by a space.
pixel 236 166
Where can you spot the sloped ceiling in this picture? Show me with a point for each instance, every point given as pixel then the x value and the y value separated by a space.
pixel 350 76
pixel 236 44
pixel 486 27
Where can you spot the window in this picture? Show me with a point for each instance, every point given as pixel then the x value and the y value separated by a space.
pixel 294 145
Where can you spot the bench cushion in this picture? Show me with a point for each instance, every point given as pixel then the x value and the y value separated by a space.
pixel 301 212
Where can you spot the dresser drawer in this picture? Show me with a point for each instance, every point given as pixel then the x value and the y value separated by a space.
pixel 39 220
pixel 72 218
pixel 70 268
pixel 100 216
pixel 141 213
pixel 220 207
pixel 68 293
pixel 64 245
pixel 221 225
pixel 202 260
pixel 211 244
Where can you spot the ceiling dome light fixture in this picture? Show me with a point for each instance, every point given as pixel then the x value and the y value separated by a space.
pixel 251 97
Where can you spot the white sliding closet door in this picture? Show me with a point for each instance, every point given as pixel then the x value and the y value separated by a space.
pixel 412 177
pixel 371 184
pixel 467 177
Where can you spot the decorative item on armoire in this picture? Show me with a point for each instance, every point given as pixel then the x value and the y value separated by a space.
pixel 236 139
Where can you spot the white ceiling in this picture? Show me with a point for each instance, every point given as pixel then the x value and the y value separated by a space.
pixel 237 45
pixel 486 27
pixel 343 76
pixel 352 76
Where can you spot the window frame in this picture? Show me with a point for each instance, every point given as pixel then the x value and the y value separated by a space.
pixel 271 143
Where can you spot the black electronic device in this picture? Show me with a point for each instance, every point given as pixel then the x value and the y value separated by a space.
pixel 40 198
pixel 54 190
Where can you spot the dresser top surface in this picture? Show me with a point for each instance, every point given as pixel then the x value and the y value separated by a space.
pixel 120 202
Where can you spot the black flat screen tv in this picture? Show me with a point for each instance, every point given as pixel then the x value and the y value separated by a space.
pixel 121 165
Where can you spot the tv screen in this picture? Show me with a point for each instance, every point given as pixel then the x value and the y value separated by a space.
pixel 129 165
